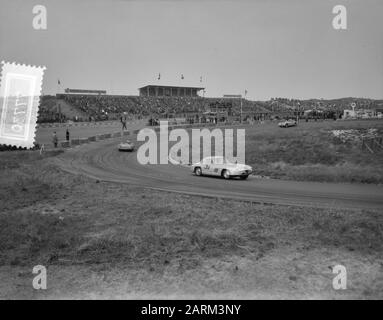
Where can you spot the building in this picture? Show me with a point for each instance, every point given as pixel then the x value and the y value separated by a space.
pixel 85 91
pixel 360 114
pixel 169 91
pixel 379 112
pixel 232 96
pixel 349 114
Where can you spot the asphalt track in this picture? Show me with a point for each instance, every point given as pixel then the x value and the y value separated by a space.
pixel 102 161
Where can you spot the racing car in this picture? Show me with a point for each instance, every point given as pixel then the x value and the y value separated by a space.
pixel 126 146
pixel 287 123
pixel 220 166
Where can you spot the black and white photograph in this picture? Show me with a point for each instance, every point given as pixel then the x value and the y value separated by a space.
pixel 205 151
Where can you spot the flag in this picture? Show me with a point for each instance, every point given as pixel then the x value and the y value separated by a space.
pixel 159 76
pixel 182 76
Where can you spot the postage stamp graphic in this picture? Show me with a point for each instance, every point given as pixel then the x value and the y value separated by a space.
pixel 20 89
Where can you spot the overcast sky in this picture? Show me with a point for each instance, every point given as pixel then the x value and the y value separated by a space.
pixel 272 48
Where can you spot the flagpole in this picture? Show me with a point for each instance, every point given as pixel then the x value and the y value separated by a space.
pixel 58 105
pixel 241 111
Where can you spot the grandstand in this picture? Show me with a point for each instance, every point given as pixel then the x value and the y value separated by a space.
pixel 97 105
pixel 169 91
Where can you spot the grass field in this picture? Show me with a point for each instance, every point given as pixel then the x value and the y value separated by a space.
pixel 310 152
pixel 102 240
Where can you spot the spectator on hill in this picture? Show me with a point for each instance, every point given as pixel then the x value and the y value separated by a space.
pixel 67 134
pixel 55 139
pixel 123 122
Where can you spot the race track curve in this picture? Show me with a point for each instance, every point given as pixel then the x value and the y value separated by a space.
pixel 102 161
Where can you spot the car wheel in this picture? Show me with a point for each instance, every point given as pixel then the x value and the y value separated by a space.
pixel 244 177
pixel 198 171
pixel 225 174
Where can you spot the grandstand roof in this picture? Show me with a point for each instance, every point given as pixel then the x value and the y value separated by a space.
pixel 171 86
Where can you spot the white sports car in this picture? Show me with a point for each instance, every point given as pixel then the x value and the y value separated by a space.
pixel 287 123
pixel 220 166
pixel 126 146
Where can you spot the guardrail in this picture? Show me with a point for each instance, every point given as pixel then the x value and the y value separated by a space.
pixel 84 124
pixel 77 124
pixel 100 137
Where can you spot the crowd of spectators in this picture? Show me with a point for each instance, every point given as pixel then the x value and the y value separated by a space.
pixel 110 107
pixel 102 107
pixel 48 111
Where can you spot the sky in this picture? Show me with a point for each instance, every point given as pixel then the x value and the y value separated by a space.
pixel 271 48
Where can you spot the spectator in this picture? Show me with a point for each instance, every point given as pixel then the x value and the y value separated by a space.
pixel 55 139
